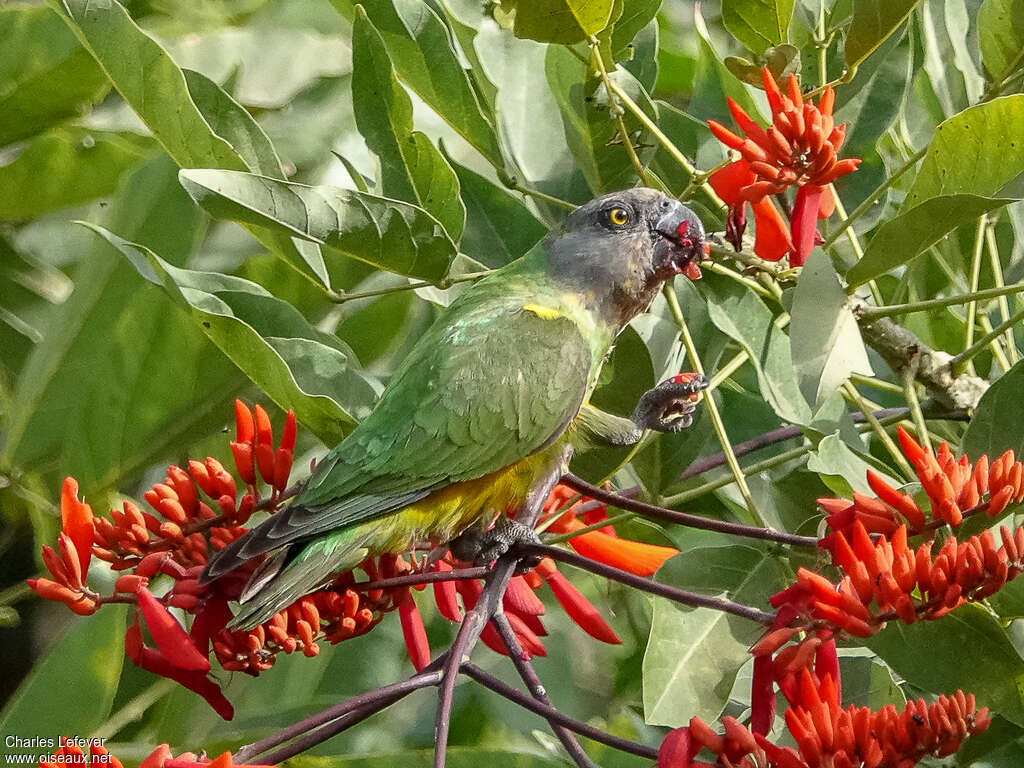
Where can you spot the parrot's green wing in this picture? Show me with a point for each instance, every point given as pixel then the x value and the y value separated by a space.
pixel 479 392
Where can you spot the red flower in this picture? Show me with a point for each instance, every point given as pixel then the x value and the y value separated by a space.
pixel 799 148
pixel 828 736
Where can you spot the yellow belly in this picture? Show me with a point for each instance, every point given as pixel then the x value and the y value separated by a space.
pixel 446 513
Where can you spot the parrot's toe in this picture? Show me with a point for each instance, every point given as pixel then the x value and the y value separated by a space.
pixel 484 547
pixel 669 406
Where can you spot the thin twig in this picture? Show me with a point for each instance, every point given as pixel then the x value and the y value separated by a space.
pixel 430 675
pixel 477 617
pixel 419 577
pixel 681 596
pixel 681 518
pixel 529 676
pixel 510 693
pixel 873 313
pixel 340 297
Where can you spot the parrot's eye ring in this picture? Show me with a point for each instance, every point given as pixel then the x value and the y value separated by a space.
pixel 618 216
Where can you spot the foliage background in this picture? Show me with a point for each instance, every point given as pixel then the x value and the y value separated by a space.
pixel 104 378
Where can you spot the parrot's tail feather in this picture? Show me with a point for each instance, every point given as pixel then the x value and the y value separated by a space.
pixel 265 573
pixel 287 581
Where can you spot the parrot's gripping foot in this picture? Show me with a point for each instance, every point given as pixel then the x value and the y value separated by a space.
pixel 669 406
pixel 484 547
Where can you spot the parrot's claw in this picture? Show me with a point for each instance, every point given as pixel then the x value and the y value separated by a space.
pixel 484 547
pixel 669 406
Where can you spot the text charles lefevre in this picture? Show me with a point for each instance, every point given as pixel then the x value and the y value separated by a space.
pixel 12 741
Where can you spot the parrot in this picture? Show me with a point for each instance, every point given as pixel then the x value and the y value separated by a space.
pixel 483 406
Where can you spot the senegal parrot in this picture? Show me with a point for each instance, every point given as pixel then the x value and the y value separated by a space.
pixel 484 405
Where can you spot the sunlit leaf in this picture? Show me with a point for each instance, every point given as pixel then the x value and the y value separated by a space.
pixel 558 21
pixel 758 24
pixel 1001 36
pixel 693 654
pixel 300 368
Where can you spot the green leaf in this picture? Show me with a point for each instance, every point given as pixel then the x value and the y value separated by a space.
pixel 693 654
pixel 904 237
pixel 841 469
pixel 636 14
pixel 422 54
pixel 873 22
pixel 153 85
pixel 388 234
pixel 997 682
pixel 65 167
pixel 232 121
pixel 412 169
pixel 46 77
pixel 558 21
pixel 758 23
pixel 977 152
pixel 311 372
pixel 499 228
pixel 149 80
pixel 589 128
pixel 102 396
pixel 87 658
pixel 712 82
pixel 1001 36
pixel 998 422
pixel 742 316
pixel 781 60
pixel 825 341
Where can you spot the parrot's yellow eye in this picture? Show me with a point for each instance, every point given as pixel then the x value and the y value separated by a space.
pixel 618 217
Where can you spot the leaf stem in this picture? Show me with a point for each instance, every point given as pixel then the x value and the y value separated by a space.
pixel 616 109
pixel 543 196
pixel 885 438
pixel 910 393
pixel 340 297
pixel 958 362
pixel 852 236
pixel 716 417
pixel 1004 304
pixel 972 304
pixel 870 314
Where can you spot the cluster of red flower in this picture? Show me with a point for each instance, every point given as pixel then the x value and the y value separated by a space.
pixel 828 736
pixel 800 149
pixel 172 541
pixel 161 757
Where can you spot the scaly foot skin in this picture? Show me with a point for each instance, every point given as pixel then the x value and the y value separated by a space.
pixel 484 547
pixel 669 406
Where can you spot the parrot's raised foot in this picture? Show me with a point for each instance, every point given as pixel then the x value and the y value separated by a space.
pixel 669 406
pixel 484 547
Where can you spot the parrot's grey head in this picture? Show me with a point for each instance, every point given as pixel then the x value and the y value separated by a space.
pixel 619 248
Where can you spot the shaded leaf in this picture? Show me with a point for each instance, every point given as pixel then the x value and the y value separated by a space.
pixel 902 238
pixel 558 21
pixel 636 14
pixel 741 315
pixel 232 121
pixel 693 654
pixel 873 22
pixel 45 75
pixel 87 658
pixel 298 367
pixel 996 682
pixel 782 60
pixel 825 341
pixel 712 82
pixel 84 403
pixel 386 233
pixel 1001 36
pixel 422 54
pixel 65 167
pixel 758 24
pixel 412 169
pixel 499 228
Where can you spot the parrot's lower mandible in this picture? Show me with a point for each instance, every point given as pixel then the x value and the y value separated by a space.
pixel 484 405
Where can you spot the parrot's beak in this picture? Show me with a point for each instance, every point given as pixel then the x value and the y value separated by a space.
pixel 685 235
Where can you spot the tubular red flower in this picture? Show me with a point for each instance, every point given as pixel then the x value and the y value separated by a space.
pixel 415 633
pixel 77 522
pixel 169 635
pixel 772 240
pixel 804 222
